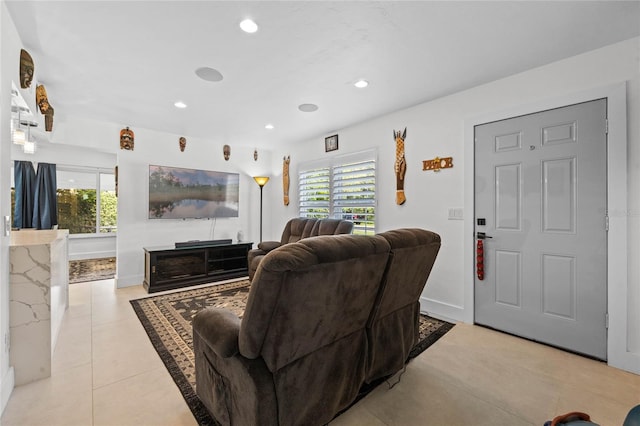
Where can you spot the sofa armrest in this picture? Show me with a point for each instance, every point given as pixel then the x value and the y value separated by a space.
pixel 267 246
pixel 219 328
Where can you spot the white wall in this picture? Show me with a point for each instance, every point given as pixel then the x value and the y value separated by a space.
pixel 136 231
pixel 437 128
pixel 9 65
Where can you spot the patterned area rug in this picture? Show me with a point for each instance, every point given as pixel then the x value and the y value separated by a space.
pixel 81 271
pixel 167 320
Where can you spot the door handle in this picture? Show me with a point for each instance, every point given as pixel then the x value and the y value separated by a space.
pixel 482 235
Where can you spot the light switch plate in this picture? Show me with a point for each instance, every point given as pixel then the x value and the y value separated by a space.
pixel 456 214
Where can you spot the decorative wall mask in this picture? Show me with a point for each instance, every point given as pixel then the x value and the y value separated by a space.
pixel 285 179
pixel 48 119
pixel 400 166
pixel 45 107
pixel 126 139
pixel 226 150
pixel 255 155
pixel 41 98
pixel 26 69
pixel 183 143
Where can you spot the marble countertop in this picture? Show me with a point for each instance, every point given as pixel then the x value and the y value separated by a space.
pixel 28 237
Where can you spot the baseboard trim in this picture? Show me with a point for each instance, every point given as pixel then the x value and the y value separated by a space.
pixel 441 310
pixel 129 281
pixel 8 383
pixel 92 255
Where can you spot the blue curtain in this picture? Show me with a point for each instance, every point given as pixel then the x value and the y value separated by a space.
pixel 45 205
pixel 24 177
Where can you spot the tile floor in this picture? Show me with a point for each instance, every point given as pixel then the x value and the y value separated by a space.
pixel 105 372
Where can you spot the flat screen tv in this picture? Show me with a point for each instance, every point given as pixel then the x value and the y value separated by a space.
pixel 177 193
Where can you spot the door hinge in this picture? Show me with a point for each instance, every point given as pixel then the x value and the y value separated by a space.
pixel 606 320
pixel 606 126
pixel 606 223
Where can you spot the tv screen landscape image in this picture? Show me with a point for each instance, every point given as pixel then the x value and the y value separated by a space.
pixel 178 193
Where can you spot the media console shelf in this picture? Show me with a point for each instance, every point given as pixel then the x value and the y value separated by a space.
pixel 167 268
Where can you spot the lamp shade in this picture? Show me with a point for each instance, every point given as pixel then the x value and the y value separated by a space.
pixel 261 180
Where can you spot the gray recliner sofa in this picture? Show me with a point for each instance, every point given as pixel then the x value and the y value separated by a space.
pixel 297 229
pixel 317 311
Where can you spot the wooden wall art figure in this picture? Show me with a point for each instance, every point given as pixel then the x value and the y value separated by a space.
pixel 183 143
pixel 226 151
pixel 44 106
pixel 400 166
pixel 126 139
pixel 26 69
pixel 285 179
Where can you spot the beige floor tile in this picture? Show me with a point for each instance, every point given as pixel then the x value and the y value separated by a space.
pixel 430 398
pixel 74 344
pixel 357 415
pixel 150 398
pixel 121 349
pixel 604 410
pixel 63 399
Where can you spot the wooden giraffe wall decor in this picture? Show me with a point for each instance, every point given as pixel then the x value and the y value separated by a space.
pixel 285 178
pixel 400 166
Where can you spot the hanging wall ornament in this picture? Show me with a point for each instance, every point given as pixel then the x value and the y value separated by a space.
pixel 126 139
pixel 48 119
pixel 183 143
pixel 26 69
pixel 285 179
pixel 226 150
pixel 44 106
pixel 400 165
pixel 255 155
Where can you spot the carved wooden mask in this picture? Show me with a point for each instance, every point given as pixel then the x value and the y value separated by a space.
pixel 26 69
pixel 126 139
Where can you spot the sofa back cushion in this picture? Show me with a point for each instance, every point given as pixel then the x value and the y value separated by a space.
pixel 309 294
pixel 297 229
pixel 331 227
pixel 413 253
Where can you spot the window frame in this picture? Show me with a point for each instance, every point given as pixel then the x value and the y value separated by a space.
pixel 97 172
pixel 334 205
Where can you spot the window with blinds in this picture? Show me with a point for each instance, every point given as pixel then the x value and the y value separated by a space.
pixel 342 188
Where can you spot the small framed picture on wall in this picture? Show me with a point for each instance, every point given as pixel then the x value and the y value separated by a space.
pixel 331 143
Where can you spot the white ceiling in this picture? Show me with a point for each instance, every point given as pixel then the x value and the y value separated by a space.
pixel 127 62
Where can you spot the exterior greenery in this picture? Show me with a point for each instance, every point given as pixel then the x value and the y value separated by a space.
pixel 77 211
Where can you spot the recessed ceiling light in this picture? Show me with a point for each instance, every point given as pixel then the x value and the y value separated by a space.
pixel 308 107
pixel 180 104
pixel 361 84
pixel 248 26
pixel 269 126
pixel 209 74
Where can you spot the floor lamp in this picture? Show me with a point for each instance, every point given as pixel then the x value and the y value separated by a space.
pixel 261 181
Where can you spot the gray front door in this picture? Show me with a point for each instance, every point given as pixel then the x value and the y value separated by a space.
pixel 540 186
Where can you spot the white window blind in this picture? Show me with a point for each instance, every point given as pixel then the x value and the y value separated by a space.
pixel 343 187
pixel 314 196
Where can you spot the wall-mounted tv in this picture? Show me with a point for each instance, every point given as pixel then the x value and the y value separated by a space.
pixel 177 193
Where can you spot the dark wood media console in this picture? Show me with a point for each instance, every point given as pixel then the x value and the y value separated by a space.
pixel 167 268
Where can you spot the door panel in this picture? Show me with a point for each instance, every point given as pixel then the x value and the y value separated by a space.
pixel 540 185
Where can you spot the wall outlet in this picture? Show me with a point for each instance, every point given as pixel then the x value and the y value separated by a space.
pixel 7 225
